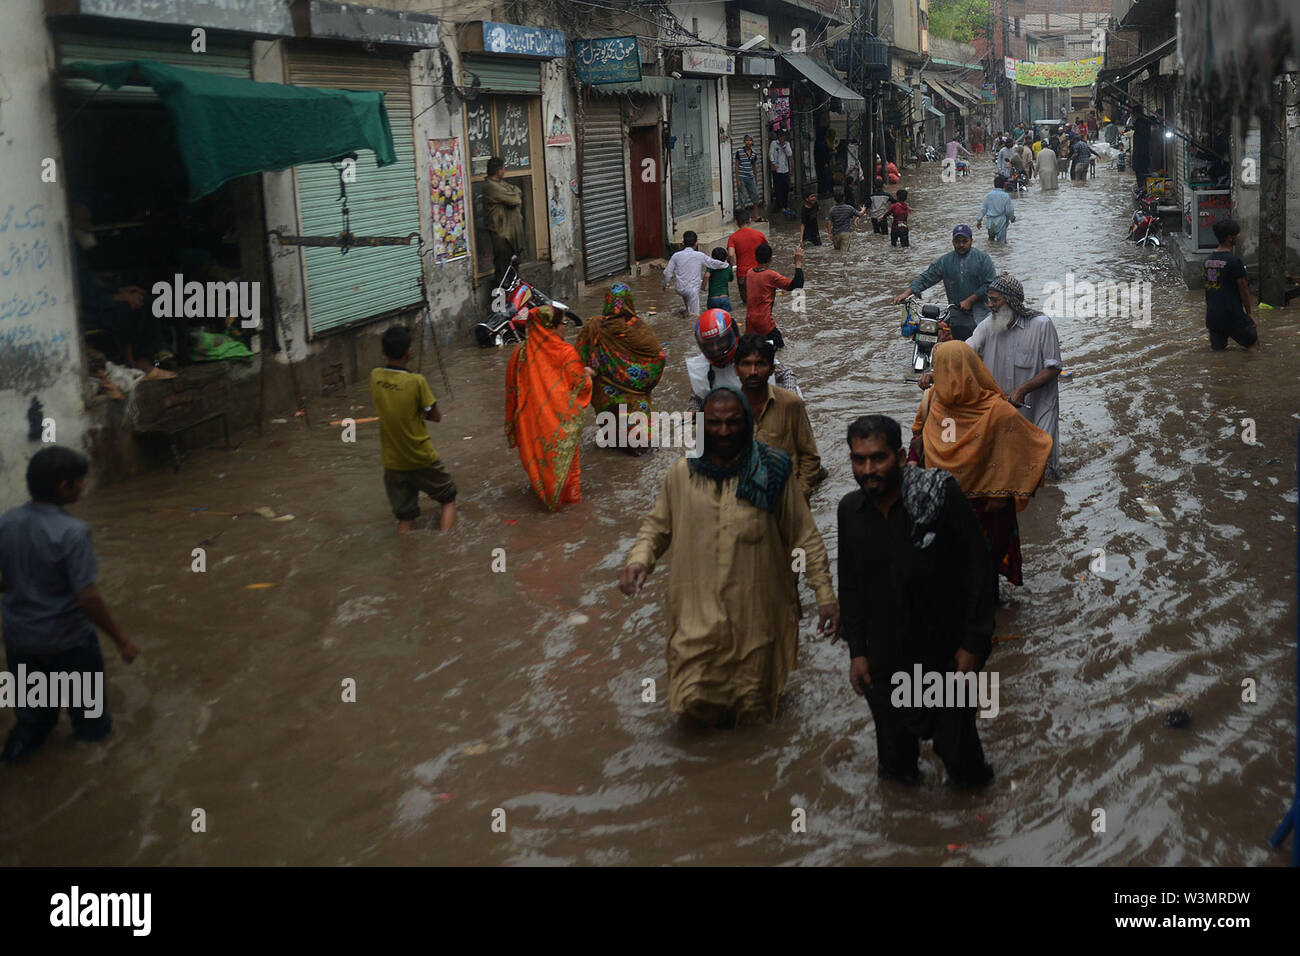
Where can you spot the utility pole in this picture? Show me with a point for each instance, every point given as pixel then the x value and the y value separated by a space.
pixel 1007 83
pixel 1272 194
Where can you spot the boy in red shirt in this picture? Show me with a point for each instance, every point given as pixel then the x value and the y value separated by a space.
pixel 899 210
pixel 744 242
pixel 763 281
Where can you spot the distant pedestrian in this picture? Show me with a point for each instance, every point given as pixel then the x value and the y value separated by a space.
pixel 878 204
pixel 720 283
pixel 779 155
pixel 998 209
pixel 812 229
pixel 1047 168
pixel 685 272
pixel 840 222
pixel 51 606
pixel 404 402
pixel 1229 308
pixel 900 230
pixel 740 248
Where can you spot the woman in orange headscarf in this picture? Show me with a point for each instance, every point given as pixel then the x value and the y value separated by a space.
pixel 966 426
pixel 547 390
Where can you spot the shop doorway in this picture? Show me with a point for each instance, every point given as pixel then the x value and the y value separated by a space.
pixel 647 197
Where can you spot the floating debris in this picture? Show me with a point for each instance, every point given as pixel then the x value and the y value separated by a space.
pixel 260 586
pixel 1153 512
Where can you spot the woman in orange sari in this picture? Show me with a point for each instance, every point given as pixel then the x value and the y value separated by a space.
pixel 547 390
pixel 966 426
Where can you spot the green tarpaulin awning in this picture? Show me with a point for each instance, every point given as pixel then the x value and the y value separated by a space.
pixel 228 127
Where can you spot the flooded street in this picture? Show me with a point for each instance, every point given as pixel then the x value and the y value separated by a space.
pixel 523 690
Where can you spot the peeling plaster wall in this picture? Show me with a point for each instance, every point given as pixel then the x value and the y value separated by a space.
pixel 40 353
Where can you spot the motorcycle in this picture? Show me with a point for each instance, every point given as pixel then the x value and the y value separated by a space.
pixel 511 300
pixel 922 328
pixel 1145 227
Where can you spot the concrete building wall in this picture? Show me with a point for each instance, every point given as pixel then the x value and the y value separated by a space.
pixel 40 354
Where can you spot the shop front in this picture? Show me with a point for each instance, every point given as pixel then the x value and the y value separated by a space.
pixel 503 67
pixel 695 168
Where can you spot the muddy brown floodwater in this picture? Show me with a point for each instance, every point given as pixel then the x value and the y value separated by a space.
pixel 523 690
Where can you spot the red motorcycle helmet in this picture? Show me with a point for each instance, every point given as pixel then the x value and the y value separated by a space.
pixel 717 337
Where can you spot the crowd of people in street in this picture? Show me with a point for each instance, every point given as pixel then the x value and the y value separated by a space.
pixel 941 506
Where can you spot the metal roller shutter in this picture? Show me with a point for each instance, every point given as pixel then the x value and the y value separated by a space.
pixel 505 76
pixel 604 201
pixel 345 290
pixel 226 59
pixel 747 120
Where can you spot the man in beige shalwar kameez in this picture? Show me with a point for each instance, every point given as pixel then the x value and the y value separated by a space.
pixel 739 525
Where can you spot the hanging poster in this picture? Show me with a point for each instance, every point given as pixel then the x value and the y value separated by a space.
pixel 1058 75
pixel 988 93
pixel 1009 66
pixel 513 135
pixel 780 113
pixel 478 124
pixel 447 200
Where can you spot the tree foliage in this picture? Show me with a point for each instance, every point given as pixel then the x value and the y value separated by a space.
pixel 959 20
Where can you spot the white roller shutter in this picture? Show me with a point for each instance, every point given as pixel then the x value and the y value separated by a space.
pixel 747 120
pixel 604 203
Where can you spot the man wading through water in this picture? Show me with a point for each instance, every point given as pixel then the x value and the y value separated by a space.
pixel 917 587
pixel 734 519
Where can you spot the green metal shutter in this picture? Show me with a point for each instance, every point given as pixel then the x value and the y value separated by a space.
pixel 344 290
pixel 506 76
pixel 604 198
pixel 227 59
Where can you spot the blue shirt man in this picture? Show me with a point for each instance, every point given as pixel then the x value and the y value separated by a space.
pixel 966 274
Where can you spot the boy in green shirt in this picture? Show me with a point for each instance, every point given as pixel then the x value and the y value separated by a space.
pixel 404 402
pixel 720 283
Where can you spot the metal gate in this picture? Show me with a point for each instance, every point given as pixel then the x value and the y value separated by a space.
pixel 747 120
pixel 604 198
pixel 348 289
pixel 692 178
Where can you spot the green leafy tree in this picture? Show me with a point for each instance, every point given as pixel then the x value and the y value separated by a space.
pixel 959 20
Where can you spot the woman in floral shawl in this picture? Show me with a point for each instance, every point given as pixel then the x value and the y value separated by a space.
pixel 547 390
pixel 624 353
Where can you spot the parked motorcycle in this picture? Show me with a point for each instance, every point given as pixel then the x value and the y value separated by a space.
pixel 1145 227
pixel 511 300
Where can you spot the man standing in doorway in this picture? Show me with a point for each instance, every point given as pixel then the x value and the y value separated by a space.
pixel 505 216
pixel 779 155
pixel 746 177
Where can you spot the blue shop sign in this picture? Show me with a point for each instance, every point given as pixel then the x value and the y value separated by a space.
pixel 607 60
pixel 523 41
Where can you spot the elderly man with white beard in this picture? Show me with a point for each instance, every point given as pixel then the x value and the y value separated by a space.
pixel 1020 347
